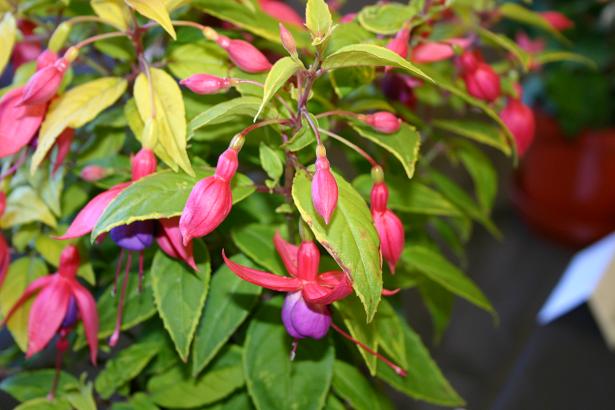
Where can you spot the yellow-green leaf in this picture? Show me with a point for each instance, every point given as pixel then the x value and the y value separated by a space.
pixel 318 19
pixel 21 273
pixel 8 29
pixel 165 123
pixel 74 109
pixel 24 205
pixel 557 56
pixel 173 4
pixel 155 10
pixel 114 12
pixel 59 36
pixel 279 74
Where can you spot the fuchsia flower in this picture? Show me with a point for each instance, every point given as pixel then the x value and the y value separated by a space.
pixel 60 302
pixel 382 121
pixel 557 20
pixel 288 41
pixel 519 118
pixel 63 142
pixel 93 173
pixel 18 123
pixel 324 187
pixel 206 84
pixel 5 251
pixel 388 225
pixel 400 87
pixel 306 312
pixel 481 80
pixel 433 51
pixel 348 18
pixel 25 51
pixel 44 84
pixel 281 11
pixel 399 43
pixel 244 55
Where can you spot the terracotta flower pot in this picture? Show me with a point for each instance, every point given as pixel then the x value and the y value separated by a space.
pixel 565 188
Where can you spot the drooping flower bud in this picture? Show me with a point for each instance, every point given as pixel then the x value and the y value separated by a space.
pixel 288 41
pixel 18 123
pixel 206 84
pixel 93 173
pixel 244 55
pixel 63 142
pixel 303 320
pixel 399 43
pixel 143 164
pixel 136 236
pixel 324 187
pixel 389 227
pixel 44 84
pixel 519 118
pixel 210 200
pixel 46 59
pixel 69 261
pixel 281 11
pixel 432 51
pixel 481 80
pixel 382 121
pixel 557 20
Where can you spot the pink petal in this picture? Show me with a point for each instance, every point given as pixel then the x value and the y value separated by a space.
pixel 89 316
pixel 63 143
pixel 47 314
pixel 281 11
pixel 264 279
pixel 86 219
pixel 330 287
pixel 169 239
pixel 18 123
pixel 288 253
pixel 32 288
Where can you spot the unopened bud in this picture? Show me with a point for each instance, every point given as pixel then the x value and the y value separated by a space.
pixel 288 41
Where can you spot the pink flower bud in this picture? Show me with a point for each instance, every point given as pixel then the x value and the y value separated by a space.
pixel 206 84
pixel 557 20
pixel 348 18
pixel 281 12
pixel 483 83
pixel 143 164
pixel 432 51
pixel 69 261
pixel 324 187
pixel 63 142
pixel 18 123
pixel 44 84
pixel 528 45
pixel 469 61
pixel 288 41
pixel 244 55
pixel 388 225
pixel 45 59
pixel 93 173
pixel 399 44
pixel 210 201
pixel 519 118
pixel 382 121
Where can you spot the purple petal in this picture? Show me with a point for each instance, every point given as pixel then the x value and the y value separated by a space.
pixel 136 236
pixel 303 320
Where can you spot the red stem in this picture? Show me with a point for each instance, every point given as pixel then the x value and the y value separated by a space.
pixel 120 308
pixel 386 361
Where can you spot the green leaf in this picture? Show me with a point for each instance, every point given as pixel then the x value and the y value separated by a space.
pixel 24 205
pixel 139 401
pixel 43 403
pixel 366 333
pixel 476 130
pixel 124 367
pixel 250 19
pixel 318 20
pixel 357 55
pixel 21 273
pixel 82 399
pixel 229 302
pixel 28 385
pixel 271 161
pixel 160 195
pixel 388 324
pixel 180 294
pixel 507 44
pixel 523 15
pixel 350 238
pixel 282 70
pixel 563 56
pixel 412 197
pixel 194 58
pixel 424 380
pixel 351 385
pixel 386 18
pixel 8 31
pixel 112 11
pixel 346 81
pixel 256 242
pixel 404 144
pixel 74 109
pixel 483 175
pixel 155 10
pixel 177 389
pixel 161 107
pixel 275 382
pixel 433 265
pixel 439 302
